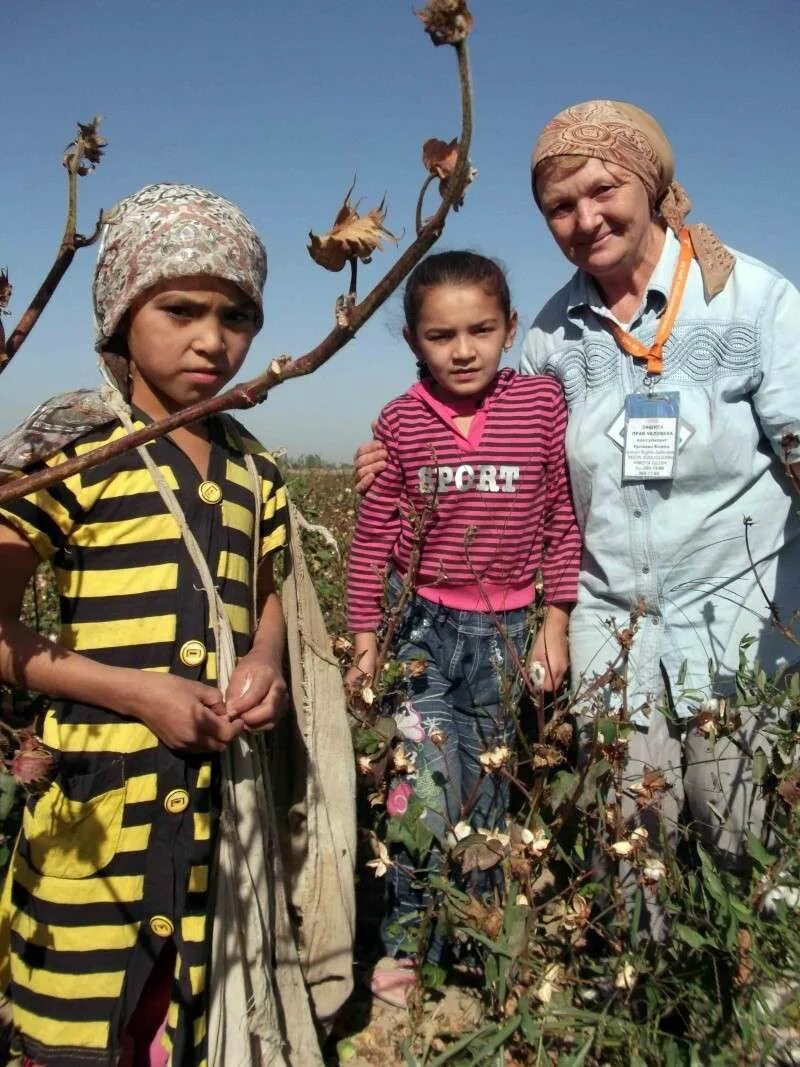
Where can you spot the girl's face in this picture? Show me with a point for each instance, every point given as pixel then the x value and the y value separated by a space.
pixel 460 335
pixel 187 337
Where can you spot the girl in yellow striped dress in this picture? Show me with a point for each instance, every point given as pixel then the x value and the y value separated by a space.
pixel 105 909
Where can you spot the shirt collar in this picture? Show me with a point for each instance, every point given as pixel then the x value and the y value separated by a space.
pixel 583 294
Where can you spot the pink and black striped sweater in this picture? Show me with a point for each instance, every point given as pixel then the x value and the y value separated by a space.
pixel 501 505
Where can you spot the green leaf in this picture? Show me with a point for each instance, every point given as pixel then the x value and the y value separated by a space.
pixel 385 727
pixel 561 786
pixel 636 915
pixel 529 1023
pixel 757 851
pixel 346 1050
pixel 731 933
pixel 744 913
pixel 714 885
pixel 760 765
pixel 691 937
pixel 433 976
pixel 611 730
pixel 579 1058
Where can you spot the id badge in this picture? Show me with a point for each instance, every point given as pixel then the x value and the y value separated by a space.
pixel 650 446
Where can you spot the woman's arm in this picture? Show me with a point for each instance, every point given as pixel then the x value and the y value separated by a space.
pixel 183 713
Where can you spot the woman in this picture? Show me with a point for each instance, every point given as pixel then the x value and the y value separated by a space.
pixel 680 362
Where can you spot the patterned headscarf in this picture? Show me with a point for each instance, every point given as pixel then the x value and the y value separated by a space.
pixel 621 133
pixel 171 231
pixel 163 231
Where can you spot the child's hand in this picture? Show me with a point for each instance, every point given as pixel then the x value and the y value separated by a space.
pixel 257 695
pixel 186 715
pixel 366 658
pixel 551 647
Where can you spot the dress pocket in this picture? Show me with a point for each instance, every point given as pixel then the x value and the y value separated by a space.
pixel 73 830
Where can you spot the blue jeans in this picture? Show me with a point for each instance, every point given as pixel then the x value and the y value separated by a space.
pixel 463 701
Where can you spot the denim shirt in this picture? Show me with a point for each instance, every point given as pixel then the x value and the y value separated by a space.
pixel 678 547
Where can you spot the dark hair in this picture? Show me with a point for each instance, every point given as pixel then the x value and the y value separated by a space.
pixel 454 268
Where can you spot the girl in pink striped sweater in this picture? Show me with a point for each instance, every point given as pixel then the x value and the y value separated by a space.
pixel 483 450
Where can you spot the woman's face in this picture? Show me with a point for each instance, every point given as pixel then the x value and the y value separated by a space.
pixel 600 218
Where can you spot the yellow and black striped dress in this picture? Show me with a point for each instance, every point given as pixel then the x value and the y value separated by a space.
pixel 114 859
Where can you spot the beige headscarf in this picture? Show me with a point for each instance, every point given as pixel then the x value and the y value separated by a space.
pixel 624 134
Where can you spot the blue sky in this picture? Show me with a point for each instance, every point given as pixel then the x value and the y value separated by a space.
pixel 278 105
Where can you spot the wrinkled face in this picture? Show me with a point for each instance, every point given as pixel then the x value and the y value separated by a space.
pixel 461 333
pixel 600 217
pixel 187 337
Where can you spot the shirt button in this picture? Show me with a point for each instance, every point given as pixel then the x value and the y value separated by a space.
pixel 161 926
pixel 192 653
pixel 637 513
pixel 209 492
pixel 176 801
pixel 645 569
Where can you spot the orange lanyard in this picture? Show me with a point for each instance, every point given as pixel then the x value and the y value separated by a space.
pixel 653 354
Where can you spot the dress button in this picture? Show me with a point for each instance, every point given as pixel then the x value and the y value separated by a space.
pixel 161 926
pixel 176 801
pixel 209 492
pixel 192 653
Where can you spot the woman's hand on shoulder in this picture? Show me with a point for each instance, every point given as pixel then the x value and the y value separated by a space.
pixel 257 694
pixel 186 715
pixel 369 461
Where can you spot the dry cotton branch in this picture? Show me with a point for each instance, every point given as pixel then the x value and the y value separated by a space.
pixel 81 157
pixel 253 392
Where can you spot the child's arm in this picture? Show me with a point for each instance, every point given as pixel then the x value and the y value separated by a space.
pixel 184 714
pixel 562 554
pixel 365 655
pixel 257 695
pixel 375 535
pixel 551 647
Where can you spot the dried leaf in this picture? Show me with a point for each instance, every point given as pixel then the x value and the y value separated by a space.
pixel 651 787
pixel 415 668
pixel 621 848
pixel 5 289
pixel 352 236
pixel 626 637
pixel 86 151
pixel 439 157
pixel 382 862
pixel 744 943
pixel 32 765
pixel 477 852
pixel 625 977
pixel 495 758
pixel 341 645
pixel 789 790
pixel 546 756
pixel 446 21
pixel 654 869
